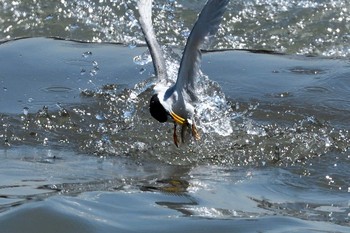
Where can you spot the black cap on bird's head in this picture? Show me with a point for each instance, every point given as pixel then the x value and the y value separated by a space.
pixel 157 110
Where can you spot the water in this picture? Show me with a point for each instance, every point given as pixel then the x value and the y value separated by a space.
pixel 80 152
pixel 295 27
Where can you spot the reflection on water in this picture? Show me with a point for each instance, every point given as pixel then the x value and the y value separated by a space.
pixel 107 188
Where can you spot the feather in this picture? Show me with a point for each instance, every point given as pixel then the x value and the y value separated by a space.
pixel 145 11
pixel 207 25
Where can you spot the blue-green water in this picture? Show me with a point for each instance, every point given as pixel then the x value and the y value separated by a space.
pixel 80 153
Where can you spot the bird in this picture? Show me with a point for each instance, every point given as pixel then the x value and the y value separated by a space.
pixel 176 103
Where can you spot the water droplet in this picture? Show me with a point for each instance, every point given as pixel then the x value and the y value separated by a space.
pixel 95 64
pixel 132 44
pixel 49 17
pixel 185 33
pixel 143 59
pixel 44 112
pixel 25 111
pixel 5 88
pixel 93 72
pixel 73 27
pixel 282 95
pixel 30 100
pixel 100 116
pixel 62 112
pixel 86 54
pixel 82 71
pixel 142 70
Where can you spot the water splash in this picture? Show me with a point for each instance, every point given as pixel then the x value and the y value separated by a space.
pixel 283 26
pixel 86 54
pixel 143 59
pixel 25 111
pixel 212 109
pixel 117 122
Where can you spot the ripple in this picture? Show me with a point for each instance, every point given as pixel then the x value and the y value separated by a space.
pixel 338 104
pixel 317 89
pixel 57 89
pixel 283 26
pixel 306 71
pixel 78 62
pixel 286 94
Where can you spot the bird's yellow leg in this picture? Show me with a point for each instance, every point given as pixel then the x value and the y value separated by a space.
pixel 195 133
pixel 176 141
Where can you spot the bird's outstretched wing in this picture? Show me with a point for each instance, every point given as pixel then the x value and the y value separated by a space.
pixel 145 11
pixel 207 25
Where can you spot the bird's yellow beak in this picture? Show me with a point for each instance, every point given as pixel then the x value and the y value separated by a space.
pixel 177 118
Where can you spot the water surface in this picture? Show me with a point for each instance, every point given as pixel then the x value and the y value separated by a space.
pixel 80 153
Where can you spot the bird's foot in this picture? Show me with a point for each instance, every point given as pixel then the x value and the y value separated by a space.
pixel 176 140
pixel 184 127
pixel 195 133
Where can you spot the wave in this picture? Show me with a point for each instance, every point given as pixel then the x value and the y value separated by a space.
pixel 291 27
